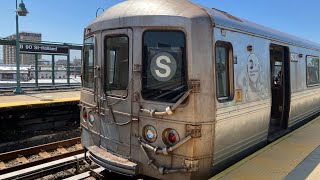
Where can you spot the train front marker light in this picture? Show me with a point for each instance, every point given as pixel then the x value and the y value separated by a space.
pixel 170 137
pixel 91 118
pixel 150 134
pixel 84 114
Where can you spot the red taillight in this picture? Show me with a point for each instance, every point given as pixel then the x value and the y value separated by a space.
pixel 85 115
pixel 172 138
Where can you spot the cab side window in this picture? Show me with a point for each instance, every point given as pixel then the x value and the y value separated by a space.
pixel 88 62
pixel 224 71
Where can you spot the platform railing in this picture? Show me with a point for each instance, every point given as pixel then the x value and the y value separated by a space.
pixel 40 70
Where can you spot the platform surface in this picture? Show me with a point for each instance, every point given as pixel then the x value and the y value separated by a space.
pixel 294 156
pixel 40 98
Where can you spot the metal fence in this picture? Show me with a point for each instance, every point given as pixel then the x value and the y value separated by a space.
pixel 39 70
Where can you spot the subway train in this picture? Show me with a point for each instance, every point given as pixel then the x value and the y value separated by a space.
pixel 174 90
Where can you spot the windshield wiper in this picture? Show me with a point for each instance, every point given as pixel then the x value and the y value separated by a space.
pixel 170 92
pixel 169 110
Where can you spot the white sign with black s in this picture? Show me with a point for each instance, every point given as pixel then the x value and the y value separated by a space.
pixel 163 66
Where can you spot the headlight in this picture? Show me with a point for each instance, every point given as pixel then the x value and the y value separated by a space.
pixel 149 134
pixel 91 118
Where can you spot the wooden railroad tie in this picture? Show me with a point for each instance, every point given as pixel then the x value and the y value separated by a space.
pixel 2 165
pixel 62 150
pixel 21 159
pixel 44 154
pixel 79 146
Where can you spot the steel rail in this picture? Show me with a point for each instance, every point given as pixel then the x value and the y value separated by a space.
pixel 36 150
pixel 45 169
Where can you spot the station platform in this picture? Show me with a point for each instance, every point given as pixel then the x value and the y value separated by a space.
pixel 293 157
pixel 38 99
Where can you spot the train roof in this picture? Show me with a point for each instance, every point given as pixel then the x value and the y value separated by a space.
pixel 133 11
pixel 229 21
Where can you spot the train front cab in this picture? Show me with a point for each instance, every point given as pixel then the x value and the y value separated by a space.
pixel 144 113
pixel 139 113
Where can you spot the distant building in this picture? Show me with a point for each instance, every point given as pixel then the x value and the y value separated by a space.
pixel 62 62
pixel 75 67
pixel 43 62
pixel 45 72
pixel 27 72
pixel 9 55
pixel 8 72
pixel 9 52
pixel 1 54
pixel 77 62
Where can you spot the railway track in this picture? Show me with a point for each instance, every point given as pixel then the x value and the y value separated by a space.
pixel 59 160
pixel 29 157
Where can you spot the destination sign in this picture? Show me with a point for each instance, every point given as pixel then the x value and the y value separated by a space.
pixel 43 49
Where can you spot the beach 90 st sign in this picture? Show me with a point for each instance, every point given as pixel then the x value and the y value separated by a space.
pixel 43 49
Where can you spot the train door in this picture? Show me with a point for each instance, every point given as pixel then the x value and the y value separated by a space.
pixel 116 79
pixel 280 90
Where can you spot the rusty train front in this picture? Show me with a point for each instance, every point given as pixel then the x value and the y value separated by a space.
pixel 173 90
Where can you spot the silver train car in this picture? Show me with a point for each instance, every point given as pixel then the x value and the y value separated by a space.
pixel 174 90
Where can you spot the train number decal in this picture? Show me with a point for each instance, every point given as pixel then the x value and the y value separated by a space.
pixel 163 66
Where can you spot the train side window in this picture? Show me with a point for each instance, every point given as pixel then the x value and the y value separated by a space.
pixel 88 62
pixel 224 71
pixel 117 65
pixel 312 71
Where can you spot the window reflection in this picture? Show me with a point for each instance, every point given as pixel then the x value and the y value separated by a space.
pixel 223 70
pixel 312 70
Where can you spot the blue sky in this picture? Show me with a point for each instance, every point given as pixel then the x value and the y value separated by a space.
pixel 64 20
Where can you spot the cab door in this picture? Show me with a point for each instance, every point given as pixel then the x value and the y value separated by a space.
pixel 116 90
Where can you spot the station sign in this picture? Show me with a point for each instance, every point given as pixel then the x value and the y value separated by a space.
pixel 43 49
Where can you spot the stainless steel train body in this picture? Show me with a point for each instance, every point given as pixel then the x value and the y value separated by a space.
pixel 174 90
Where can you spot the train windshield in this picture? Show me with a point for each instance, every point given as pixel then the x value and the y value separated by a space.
pixel 164 66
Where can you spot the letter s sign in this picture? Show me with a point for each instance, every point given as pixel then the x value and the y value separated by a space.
pixel 163 66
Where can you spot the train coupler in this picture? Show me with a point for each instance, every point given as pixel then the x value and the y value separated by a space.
pixel 86 157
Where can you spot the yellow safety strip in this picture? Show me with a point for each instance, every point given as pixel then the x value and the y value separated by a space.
pixel 38 102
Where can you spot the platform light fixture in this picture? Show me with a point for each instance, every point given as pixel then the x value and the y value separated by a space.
pixel 20 11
